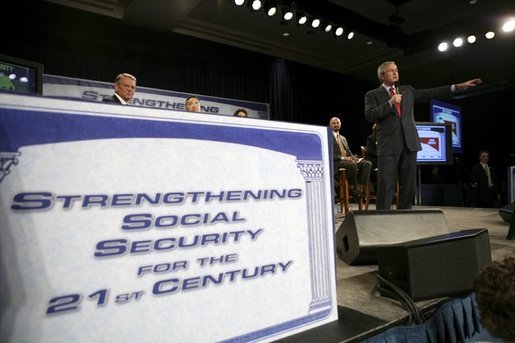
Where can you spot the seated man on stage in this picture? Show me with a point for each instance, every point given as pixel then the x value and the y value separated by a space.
pixel 358 170
pixel 192 104
pixel 124 88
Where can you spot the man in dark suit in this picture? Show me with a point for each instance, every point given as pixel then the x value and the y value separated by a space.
pixel 358 171
pixel 391 108
pixel 484 189
pixel 124 88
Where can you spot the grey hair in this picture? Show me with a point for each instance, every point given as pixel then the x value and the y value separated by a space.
pixel 381 69
pixel 120 76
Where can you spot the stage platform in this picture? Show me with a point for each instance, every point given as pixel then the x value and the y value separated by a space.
pixel 363 312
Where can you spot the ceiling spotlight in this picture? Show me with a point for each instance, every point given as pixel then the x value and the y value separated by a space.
pixel 239 2
pixel 288 14
pixel 509 25
pixel 271 10
pixel 443 46
pixel 256 5
pixel 471 39
pixel 328 28
pixel 339 31
pixel 302 19
pixel 457 42
pixel 315 23
pixel 350 35
pixel 490 35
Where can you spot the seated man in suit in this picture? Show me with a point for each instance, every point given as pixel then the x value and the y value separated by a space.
pixel 372 147
pixel 357 170
pixel 124 88
pixel 192 104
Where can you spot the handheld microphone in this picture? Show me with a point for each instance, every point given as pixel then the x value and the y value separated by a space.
pixel 396 87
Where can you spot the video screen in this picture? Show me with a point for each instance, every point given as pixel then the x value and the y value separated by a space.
pixel 442 112
pixel 20 76
pixel 435 139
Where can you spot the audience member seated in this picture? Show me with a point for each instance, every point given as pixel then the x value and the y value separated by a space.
pixel 495 296
pixel 192 104
pixel 240 112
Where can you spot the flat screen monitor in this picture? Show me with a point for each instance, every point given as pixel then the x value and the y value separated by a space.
pixel 435 139
pixel 20 76
pixel 442 112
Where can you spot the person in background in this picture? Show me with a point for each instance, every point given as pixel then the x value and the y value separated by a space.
pixel 358 170
pixel 484 191
pixel 124 89
pixel 192 104
pixel 371 153
pixel 240 112
pixel 495 297
pixel 390 106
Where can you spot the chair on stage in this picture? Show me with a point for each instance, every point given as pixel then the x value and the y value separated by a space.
pixel 343 196
pixel 371 195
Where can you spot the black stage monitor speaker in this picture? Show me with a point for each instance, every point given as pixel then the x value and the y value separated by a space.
pixel 362 232
pixel 444 265
pixel 506 212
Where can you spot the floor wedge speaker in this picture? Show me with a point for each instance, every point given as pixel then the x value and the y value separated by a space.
pixel 362 232
pixel 444 265
pixel 506 212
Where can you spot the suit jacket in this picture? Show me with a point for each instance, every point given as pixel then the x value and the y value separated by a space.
pixel 336 149
pixel 393 132
pixel 371 154
pixel 112 99
pixel 478 176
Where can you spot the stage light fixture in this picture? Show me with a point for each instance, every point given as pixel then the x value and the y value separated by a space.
pixel 471 39
pixel 271 8
pixel 457 42
pixel 287 14
pixel 256 5
pixel 350 35
pixel 443 46
pixel 239 2
pixel 328 27
pixel 315 23
pixel 490 35
pixel 301 18
pixel 509 25
pixel 339 31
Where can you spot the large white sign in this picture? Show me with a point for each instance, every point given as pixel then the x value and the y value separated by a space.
pixel 129 224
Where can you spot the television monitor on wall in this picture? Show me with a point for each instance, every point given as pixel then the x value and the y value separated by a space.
pixel 442 112
pixel 20 76
pixel 435 139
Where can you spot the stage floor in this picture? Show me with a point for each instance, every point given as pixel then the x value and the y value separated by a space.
pixel 363 312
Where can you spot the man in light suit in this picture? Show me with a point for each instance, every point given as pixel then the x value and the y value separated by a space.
pixel 391 108
pixel 358 171
pixel 124 88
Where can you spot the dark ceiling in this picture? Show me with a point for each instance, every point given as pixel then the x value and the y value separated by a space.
pixel 407 31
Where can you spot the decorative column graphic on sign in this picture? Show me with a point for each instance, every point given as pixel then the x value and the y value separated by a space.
pixel 313 173
pixel 7 159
